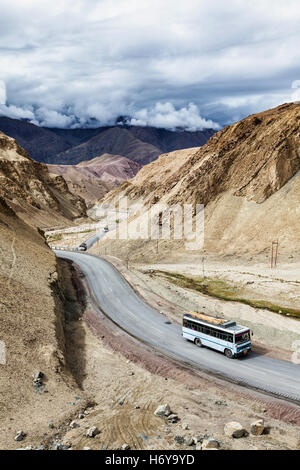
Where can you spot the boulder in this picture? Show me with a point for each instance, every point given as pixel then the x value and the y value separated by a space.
pixel 190 441
pixel 234 429
pixel 92 432
pixel 173 418
pixel 179 440
pixel 60 446
pixel 74 425
pixel 125 447
pixel 258 427
pixel 210 443
pixel 38 375
pixel 38 379
pixel 163 410
pixel 20 436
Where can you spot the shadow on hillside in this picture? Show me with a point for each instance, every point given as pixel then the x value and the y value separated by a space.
pixel 74 303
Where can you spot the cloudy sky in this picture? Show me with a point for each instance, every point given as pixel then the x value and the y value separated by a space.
pixel 166 63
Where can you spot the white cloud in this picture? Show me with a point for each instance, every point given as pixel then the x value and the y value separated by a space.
pixel 165 115
pixel 16 112
pixel 79 60
pixel 2 92
pixel 296 90
pixel 50 118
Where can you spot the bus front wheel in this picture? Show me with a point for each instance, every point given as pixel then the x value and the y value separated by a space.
pixel 228 353
pixel 198 342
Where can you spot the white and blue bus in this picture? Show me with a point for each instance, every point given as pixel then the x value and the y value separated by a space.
pixel 222 335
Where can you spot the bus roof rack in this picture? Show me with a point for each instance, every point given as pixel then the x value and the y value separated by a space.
pixel 210 319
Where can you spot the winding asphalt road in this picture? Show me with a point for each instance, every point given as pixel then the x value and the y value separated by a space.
pixel 95 238
pixel 121 304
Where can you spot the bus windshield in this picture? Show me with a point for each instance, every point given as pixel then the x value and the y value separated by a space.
pixel 243 337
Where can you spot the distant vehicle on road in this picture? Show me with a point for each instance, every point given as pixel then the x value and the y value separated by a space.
pixel 105 229
pixel 216 333
pixel 83 247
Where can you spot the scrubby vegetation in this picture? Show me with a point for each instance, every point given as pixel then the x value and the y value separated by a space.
pixel 223 290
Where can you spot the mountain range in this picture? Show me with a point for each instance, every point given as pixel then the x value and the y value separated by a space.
pixel 94 178
pixel 248 178
pixel 71 146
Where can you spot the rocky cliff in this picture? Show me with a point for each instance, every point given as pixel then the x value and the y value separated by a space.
pixel 34 194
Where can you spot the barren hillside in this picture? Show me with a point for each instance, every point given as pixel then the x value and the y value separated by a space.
pixel 140 144
pixel 96 375
pixel 31 327
pixel 247 176
pixel 31 191
pixel 115 141
pixel 92 179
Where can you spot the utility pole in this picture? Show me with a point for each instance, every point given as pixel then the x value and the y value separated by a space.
pixel 274 254
pixel 203 259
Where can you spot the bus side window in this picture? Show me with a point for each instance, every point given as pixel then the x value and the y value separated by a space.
pixel 230 339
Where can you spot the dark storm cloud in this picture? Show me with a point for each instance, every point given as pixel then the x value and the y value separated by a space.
pixel 186 63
